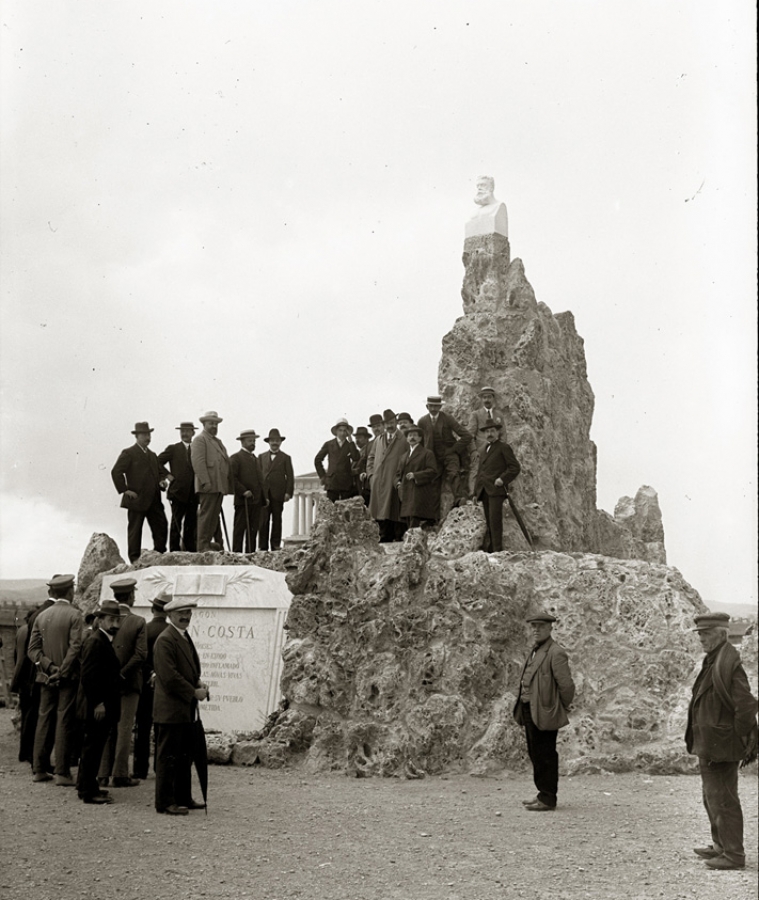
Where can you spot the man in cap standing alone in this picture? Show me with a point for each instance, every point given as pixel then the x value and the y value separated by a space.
pixel 181 492
pixel 721 732
pixel 138 476
pixel 213 479
pixel 546 691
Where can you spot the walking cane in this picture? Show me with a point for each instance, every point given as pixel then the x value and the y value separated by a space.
pixel 520 522
pixel 226 533
pixel 247 521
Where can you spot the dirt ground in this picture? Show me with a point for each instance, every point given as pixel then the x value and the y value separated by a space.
pixel 281 835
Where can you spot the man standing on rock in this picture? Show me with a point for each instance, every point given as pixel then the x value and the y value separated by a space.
pixel 279 484
pixel 721 732
pixel 497 468
pixel 449 441
pixel 181 492
pixel 213 480
pixel 382 468
pixel 249 492
pixel 546 691
pixel 340 454
pixel 416 479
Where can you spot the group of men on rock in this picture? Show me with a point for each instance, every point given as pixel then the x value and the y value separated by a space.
pixel 200 473
pixel 399 468
pixel 83 685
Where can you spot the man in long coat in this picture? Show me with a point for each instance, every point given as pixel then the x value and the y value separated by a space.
pixel 178 690
pixel 382 467
pixel 27 687
pixel 249 492
pixel 144 719
pixel 213 479
pixel 340 454
pixel 278 487
pixel 721 732
pixel 449 440
pixel 418 482
pixel 181 492
pixel 498 467
pixel 138 477
pixel 546 691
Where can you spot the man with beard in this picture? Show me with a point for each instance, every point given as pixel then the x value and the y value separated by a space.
pixel 181 492
pixel 278 486
pixel 382 466
pixel 213 480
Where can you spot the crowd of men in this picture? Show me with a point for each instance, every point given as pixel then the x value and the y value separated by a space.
pixel 89 687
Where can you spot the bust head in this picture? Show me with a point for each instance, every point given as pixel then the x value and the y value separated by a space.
pixel 485 188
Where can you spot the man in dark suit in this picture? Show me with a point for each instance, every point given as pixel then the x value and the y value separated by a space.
pixel 138 477
pixel 131 648
pixel 144 720
pixel 363 441
pixel 449 440
pixel 249 492
pixel 498 468
pixel 416 480
pixel 25 684
pixel 546 691
pixel 178 690
pixel 340 454
pixel 98 699
pixel 181 492
pixel 278 486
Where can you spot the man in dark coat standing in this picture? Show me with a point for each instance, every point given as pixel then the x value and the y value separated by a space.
pixel 25 684
pixel 144 720
pixel 98 699
pixel 498 467
pixel 181 492
pixel 249 492
pixel 449 440
pixel 178 690
pixel 416 479
pixel 278 486
pixel 721 732
pixel 382 468
pixel 138 477
pixel 340 454
pixel 546 691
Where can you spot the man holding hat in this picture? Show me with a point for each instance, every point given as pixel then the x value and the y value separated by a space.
pixel 213 479
pixel 382 467
pixel 722 733
pixel 178 690
pixel 546 691
pixel 249 492
pixel 497 468
pixel 99 698
pixel 54 646
pixel 181 492
pixel 278 487
pixel 144 720
pixel 417 482
pixel 340 454
pixel 138 477
pixel 449 441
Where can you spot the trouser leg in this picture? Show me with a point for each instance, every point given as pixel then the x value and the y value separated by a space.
pixel 208 518
pixel 144 722
pixel 95 736
pixel 719 782
pixel 495 523
pixel 109 752
pixel 452 468
pixel 173 765
pixel 44 735
pixel 65 728
pixel 30 705
pixel 178 512
pixel 190 535
pixel 156 516
pixel 263 527
pixel 541 746
pixel 274 511
pixel 124 734
pixel 134 534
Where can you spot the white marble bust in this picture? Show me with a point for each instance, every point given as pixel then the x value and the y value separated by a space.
pixel 491 217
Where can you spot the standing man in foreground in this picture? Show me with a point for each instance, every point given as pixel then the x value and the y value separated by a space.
pixel 721 732
pixel 213 480
pixel 546 691
pixel 181 492
pixel 279 483
pixel 138 477
pixel 178 690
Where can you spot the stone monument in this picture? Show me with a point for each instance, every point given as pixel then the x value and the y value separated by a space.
pixel 491 217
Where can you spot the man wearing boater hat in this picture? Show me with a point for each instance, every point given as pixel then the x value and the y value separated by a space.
pixel 249 492
pixel 181 492
pixel 279 483
pixel 340 454
pixel 213 479
pixel 138 477
pixel 546 691
pixel 722 733
pixel 497 468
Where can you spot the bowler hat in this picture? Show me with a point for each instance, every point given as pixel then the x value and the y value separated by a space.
pixel 435 400
pixel 61 582
pixel 541 617
pixel 251 432
pixel 362 431
pixel 142 428
pixel 274 433
pixel 405 417
pixel 123 586
pixel 706 621
pixel 109 608
pixel 211 416
pixel 185 425
pixel 375 420
pixel 389 416
pixel 342 422
pixel 180 603
pixel 491 423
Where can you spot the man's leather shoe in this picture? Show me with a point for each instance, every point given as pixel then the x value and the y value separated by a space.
pixel 722 862
pixel 42 776
pixel 64 781
pixel 707 852
pixel 529 802
pixel 193 804
pixel 539 806
pixel 125 782
pixel 100 799
pixel 174 810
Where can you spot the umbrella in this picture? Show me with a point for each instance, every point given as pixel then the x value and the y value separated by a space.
pixel 200 757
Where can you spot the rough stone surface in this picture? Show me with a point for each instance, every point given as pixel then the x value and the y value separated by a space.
pixel 407 664
pixel 102 555
pixel 535 360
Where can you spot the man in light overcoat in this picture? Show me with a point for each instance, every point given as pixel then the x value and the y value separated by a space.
pixel 213 479
pixel 382 468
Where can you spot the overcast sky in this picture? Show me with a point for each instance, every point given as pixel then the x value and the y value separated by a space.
pixel 258 208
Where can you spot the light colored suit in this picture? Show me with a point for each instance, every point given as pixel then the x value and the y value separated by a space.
pixel 210 462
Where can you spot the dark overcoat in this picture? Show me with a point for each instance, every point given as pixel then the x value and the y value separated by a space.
pixel 338 475
pixel 131 648
pixel 177 675
pixel 138 470
pixel 100 681
pixel 278 475
pixel 498 462
pixel 246 474
pixel 446 435
pixel 420 498
pixel 179 458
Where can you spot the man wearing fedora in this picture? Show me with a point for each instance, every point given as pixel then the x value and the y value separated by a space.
pixel 213 479
pixel 722 733
pixel 449 440
pixel 340 454
pixel 138 477
pixel 249 492
pixel 363 442
pixel 181 492
pixel 545 694
pixel 98 699
pixel 497 468
pixel 382 467
pixel 144 721
pixel 278 487
pixel 416 479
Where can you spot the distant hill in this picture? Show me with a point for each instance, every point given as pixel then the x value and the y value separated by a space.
pixel 736 610
pixel 23 591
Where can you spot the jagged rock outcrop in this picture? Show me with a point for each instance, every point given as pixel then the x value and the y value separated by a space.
pixel 102 555
pixel 407 663
pixel 535 360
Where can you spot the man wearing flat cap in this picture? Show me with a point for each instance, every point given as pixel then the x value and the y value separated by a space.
pixel 249 492
pixel 382 467
pixel 449 440
pixel 138 477
pixel 722 733
pixel 178 691
pixel 99 699
pixel 144 720
pixel 545 694
pixel 213 479
pixel 340 454
pixel 181 492
pixel 497 467
pixel 278 486
pixel 54 646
